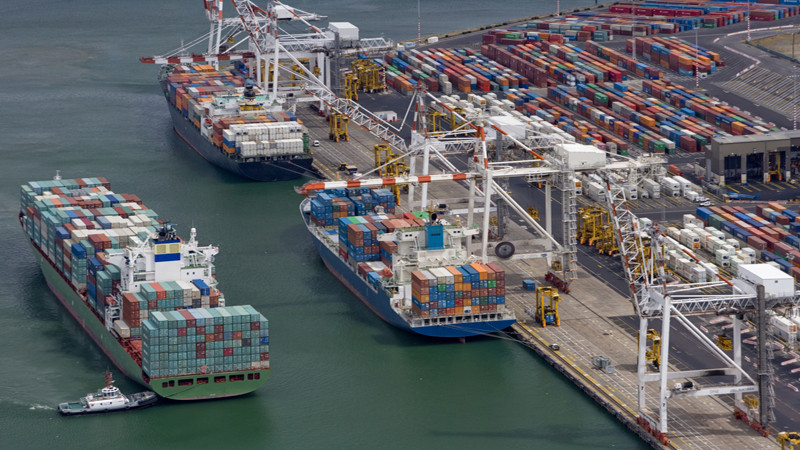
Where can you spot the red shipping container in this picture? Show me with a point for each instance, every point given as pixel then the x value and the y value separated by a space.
pixel 781 248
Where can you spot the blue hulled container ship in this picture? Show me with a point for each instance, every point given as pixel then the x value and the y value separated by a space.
pixel 413 270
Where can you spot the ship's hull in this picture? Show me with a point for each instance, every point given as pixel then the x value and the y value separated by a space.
pixel 380 303
pixel 269 170
pixel 190 387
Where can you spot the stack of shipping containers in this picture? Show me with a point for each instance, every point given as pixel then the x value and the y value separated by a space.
pixel 79 223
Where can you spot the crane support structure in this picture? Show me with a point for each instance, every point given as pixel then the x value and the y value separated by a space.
pixel 653 297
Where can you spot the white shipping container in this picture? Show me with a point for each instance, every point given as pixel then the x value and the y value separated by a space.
pixel 796 321
pixel 674 233
pixel 685 185
pixel 698 274
pixel 347 31
pixel 783 327
pixel 580 156
pixel 122 328
pixel 689 239
pixel 596 192
pixel 776 283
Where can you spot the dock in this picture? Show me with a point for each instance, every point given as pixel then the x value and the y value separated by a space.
pixel 327 157
pixel 587 329
pixel 590 324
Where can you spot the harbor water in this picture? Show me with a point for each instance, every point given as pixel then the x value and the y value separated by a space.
pixel 75 98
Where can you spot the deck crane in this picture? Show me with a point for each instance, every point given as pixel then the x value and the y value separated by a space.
pixel 653 298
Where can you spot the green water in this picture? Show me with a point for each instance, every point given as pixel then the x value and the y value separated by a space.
pixel 74 98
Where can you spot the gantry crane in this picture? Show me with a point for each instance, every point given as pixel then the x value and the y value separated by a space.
pixel 791 439
pixel 389 164
pixel 547 299
pixel 338 127
pixel 255 37
pixel 653 298
pixel 351 85
pixel 371 76
pixel 653 353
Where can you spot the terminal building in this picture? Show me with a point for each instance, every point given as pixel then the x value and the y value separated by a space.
pixel 756 157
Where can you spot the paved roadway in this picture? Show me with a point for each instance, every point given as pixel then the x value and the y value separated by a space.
pixel 686 352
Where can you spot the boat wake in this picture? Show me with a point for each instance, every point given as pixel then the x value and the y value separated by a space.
pixel 36 406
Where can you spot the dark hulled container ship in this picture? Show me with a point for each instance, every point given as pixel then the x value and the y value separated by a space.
pixel 230 123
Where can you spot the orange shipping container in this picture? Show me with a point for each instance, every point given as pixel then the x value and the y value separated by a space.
pixel 482 273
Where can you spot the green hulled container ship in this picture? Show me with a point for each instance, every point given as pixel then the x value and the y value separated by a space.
pixel 146 297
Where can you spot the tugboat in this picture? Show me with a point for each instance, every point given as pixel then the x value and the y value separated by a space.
pixel 106 400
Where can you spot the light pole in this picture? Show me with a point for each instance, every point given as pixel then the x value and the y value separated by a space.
pixel 633 30
pixel 696 61
pixel 794 86
pixel 419 23
pixel 748 20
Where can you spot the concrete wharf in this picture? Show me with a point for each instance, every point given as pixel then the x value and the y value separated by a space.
pixel 590 325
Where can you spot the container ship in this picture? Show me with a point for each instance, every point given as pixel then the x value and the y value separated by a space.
pixel 232 124
pixel 145 296
pixel 412 269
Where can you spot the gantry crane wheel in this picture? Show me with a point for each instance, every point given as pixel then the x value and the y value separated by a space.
pixel 504 250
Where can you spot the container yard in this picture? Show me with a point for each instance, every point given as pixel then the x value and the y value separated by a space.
pixel 590 93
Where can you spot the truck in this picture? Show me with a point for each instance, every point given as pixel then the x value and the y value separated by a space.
pixel 740 196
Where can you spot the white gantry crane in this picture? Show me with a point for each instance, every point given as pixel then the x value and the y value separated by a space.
pixel 547 167
pixel 255 35
pixel 757 288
